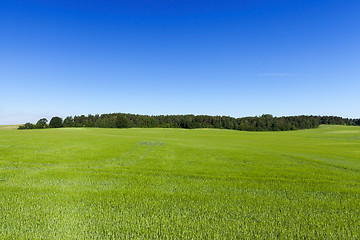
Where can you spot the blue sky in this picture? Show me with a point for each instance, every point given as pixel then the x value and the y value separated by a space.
pixel 235 58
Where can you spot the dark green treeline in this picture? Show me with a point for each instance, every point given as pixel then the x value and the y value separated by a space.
pixel 265 122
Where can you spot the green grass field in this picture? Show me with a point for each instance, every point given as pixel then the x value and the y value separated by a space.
pixel 81 183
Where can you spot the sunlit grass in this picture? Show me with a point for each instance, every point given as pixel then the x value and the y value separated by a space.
pixel 180 184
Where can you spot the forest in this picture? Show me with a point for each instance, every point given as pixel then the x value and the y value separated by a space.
pixel 266 122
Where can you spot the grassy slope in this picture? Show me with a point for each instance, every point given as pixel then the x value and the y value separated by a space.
pixel 159 183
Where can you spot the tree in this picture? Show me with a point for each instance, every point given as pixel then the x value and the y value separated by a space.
pixel 56 122
pixel 266 122
pixel 42 123
pixel 26 126
pixel 68 122
pixel 122 122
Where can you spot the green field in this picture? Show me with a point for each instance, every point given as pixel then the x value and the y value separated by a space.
pixel 88 183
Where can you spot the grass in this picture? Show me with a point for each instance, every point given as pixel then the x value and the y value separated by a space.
pixel 82 183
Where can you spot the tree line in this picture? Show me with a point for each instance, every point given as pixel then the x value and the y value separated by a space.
pixel 266 122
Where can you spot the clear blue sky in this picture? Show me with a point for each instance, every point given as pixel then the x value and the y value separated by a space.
pixel 236 58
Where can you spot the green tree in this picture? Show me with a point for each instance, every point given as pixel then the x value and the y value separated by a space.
pixel 68 122
pixel 26 126
pixel 42 123
pixel 56 122
pixel 122 122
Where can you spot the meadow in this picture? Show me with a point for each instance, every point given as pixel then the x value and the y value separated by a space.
pixel 156 183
